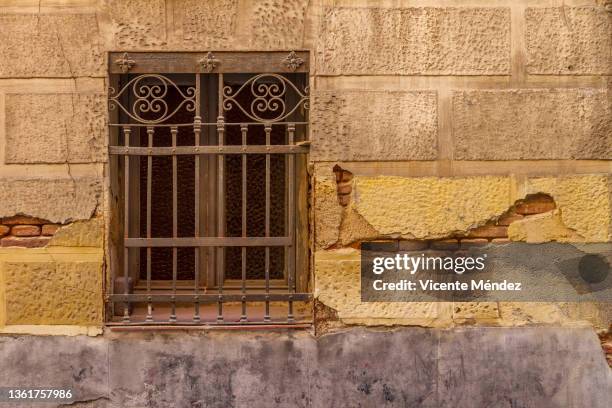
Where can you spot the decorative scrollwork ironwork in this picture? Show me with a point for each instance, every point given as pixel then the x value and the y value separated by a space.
pixel 268 104
pixel 149 92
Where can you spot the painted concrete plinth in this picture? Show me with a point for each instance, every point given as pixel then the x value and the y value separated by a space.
pixel 411 367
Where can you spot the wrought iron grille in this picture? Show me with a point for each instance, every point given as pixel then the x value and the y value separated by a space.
pixel 209 187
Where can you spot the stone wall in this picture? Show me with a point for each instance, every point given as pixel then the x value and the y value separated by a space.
pixel 444 114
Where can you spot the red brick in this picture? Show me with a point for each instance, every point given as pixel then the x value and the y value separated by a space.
pixel 500 241
pixel 24 242
pixel 509 219
pixel 445 244
pixel 344 200
pixel 23 220
pixel 25 230
pixel 489 231
pixel 412 245
pixel 528 208
pixel 344 188
pixel 474 242
pixel 4 230
pixel 50 229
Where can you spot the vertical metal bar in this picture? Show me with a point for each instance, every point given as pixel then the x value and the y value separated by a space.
pixel 220 199
pixel 126 225
pixel 150 131
pixel 174 132
pixel 291 220
pixel 268 130
pixel 244 129
pixel 197 128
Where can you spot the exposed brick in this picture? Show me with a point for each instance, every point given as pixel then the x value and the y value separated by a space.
pixel 4 230
pixel 500 241
pixel 509 219
pixel 21 220
pixel 25 242
pixel 412 245
pixel 447 244
pixel 50 229
pixel 534 208
pixel 489 231
pixel 25 230
pixel 474 242
pixel 344 188
pixel 344 200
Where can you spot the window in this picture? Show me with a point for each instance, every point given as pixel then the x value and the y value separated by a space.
pixel 209 188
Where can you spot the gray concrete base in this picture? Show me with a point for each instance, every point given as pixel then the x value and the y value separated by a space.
pixel 411 367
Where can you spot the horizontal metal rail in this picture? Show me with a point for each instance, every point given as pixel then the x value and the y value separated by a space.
pixel 194 242
pixel 194 150
pixel 210 297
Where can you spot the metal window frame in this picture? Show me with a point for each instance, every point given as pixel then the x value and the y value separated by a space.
pixel 207 68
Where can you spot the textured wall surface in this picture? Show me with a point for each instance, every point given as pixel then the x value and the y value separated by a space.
pixel 55 128
pixel 57 200
pixel 428 40
pixel 343 123
pixel 464 368
pixel 447 112
pixel 569 40
pixel 533 124
pixel 50 45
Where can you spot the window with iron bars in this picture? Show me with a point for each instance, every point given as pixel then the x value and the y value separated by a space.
pixel 209 188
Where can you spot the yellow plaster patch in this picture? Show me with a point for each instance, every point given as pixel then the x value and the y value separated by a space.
pixel 544 227
pixel 430 207
pixel 51 286
pixel 337 285
pixel 52 330
pixel 87 233
pixel 584 202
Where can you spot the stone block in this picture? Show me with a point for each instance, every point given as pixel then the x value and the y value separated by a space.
pixel 55 128
pixel 374 125
pixel 414 41
pixel 532 124
pixel 50 45
pixel 53 293
pixel 278 24
pixel 568 41
pixel 138 24
pixel 206 24
pixel 57 200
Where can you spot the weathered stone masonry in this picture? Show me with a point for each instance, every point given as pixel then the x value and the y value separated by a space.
pixel 433 122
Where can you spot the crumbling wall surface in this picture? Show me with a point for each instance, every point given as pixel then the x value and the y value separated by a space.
pixel 436 138
pixel 470 367
pixel 443 112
